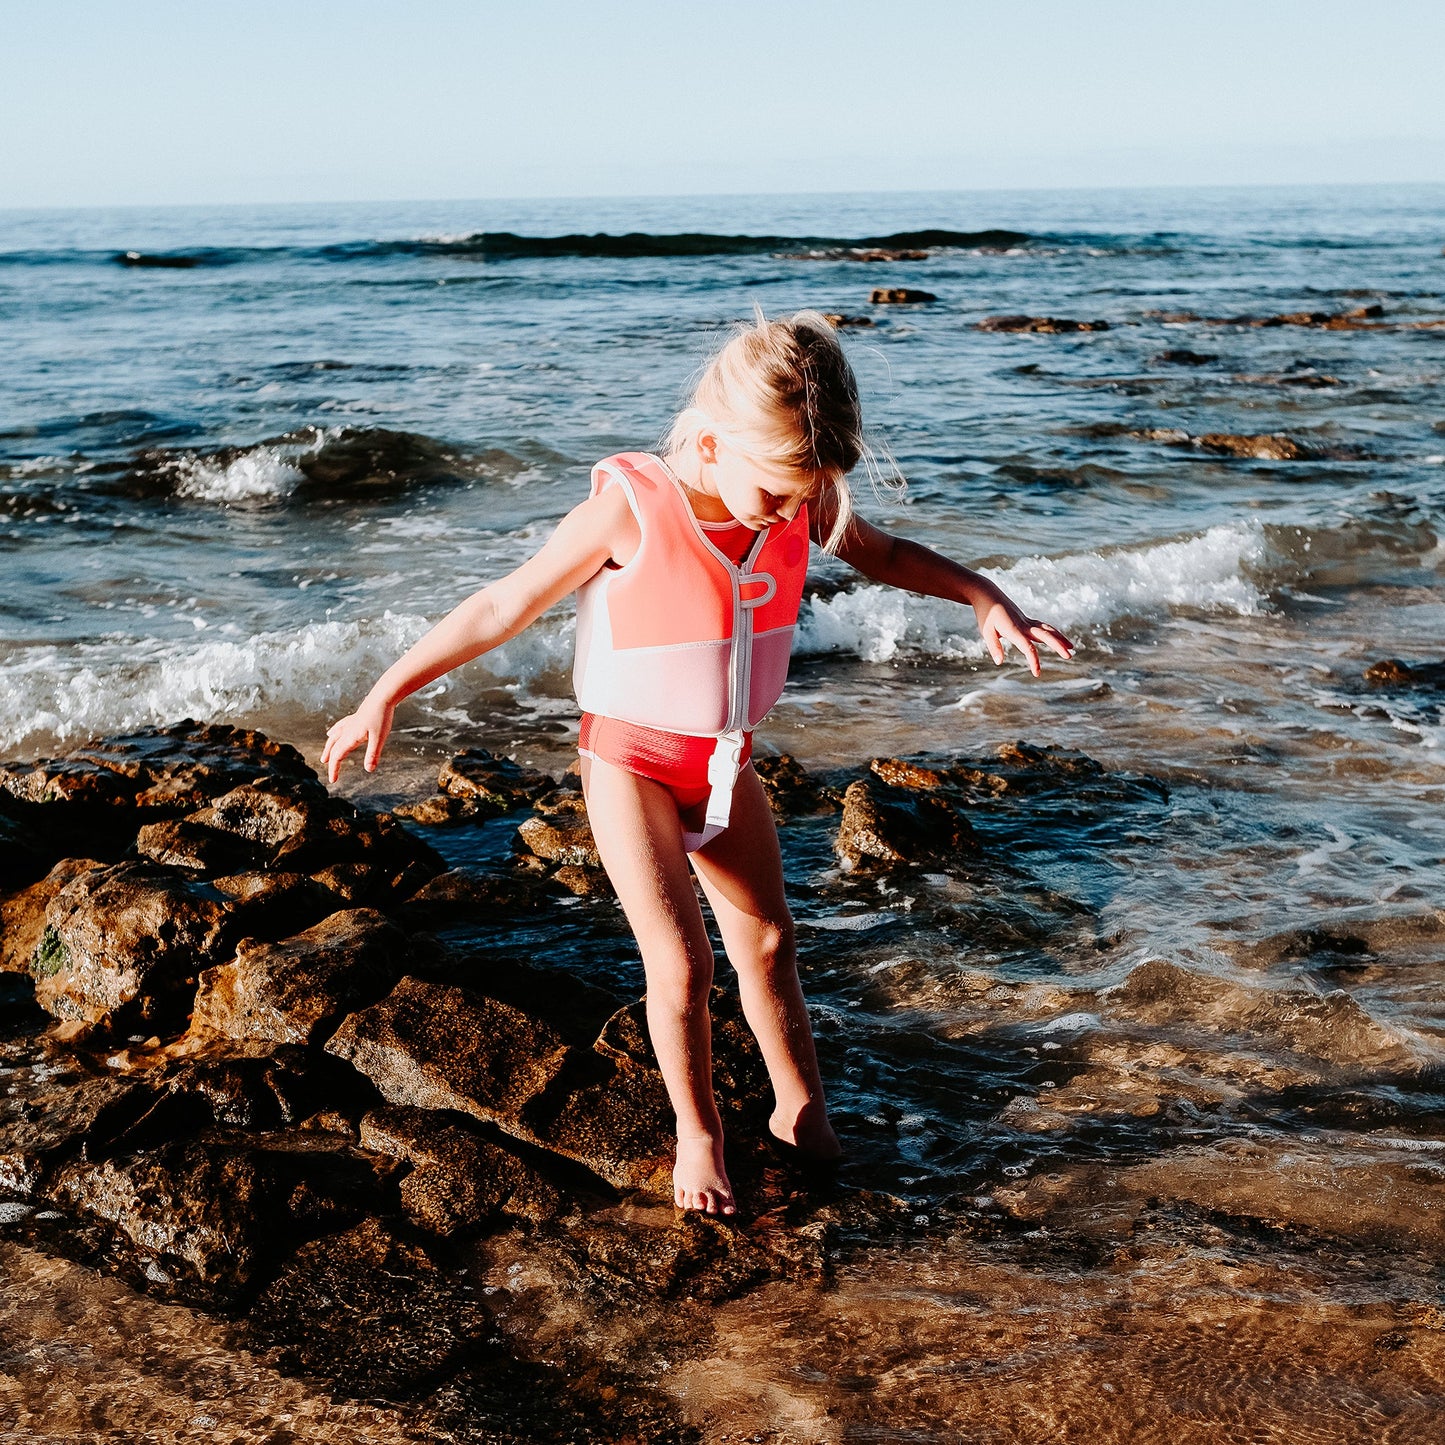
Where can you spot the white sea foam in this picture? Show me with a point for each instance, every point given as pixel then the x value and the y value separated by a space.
pixel 261 474
pixel 124 683
pixel 1077 591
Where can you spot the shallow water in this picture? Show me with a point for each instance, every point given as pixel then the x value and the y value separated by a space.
pixel 1197 991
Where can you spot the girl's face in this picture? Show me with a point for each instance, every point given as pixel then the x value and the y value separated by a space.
pixel 757 494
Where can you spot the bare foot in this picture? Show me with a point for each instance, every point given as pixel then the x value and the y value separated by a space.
pixel 809 1132
pixel 699 1180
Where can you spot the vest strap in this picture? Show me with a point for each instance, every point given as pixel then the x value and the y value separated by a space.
pixel 722 773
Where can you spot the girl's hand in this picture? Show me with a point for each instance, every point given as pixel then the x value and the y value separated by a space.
pixel 1000 622
pixel 369 724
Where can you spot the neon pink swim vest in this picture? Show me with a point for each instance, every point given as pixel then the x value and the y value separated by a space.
pixel 681 638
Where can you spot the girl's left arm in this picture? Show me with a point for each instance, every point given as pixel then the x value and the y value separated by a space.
pixel 897 562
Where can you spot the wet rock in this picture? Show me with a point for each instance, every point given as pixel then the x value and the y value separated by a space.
pixel 886 826
pixel 258 1086
pixel 1076 779
pixel 24 853
pixel 377 460
pixel 1045 325
pixel 439 1047
pixel 213 1212
pixel 691 1257
pixel 1391 672
pixel 366 858
pixel 298 991
pixel 458 1180
pixel 268 905
pixel 41 1127
pixel 495 784
pixel 1182 356
pixel 1332 1027
pixel 124 943
pixel 616 1117
pixel 372 1312
pixel 22 914
pixel 181 843
pixel 899 296
pixel 463 895
pixel 838 320
pixel 791 790
pixel 1266 447
pixel 92 800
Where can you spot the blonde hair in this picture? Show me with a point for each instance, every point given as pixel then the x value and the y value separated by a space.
pixel 782 392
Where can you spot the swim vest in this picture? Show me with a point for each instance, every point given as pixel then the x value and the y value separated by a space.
pixel 681 638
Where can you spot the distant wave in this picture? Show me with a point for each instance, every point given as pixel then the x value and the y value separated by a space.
pixel 508 245
pixel 313 464
pixel 502 245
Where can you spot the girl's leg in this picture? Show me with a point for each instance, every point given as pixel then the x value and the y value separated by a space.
pixel 741 872
pixel 635 823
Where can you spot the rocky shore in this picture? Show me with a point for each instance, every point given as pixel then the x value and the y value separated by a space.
pixel 258 1059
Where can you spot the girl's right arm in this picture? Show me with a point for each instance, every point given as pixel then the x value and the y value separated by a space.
pixel 586 539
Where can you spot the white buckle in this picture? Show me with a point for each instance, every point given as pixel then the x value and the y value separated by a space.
pixel 723 768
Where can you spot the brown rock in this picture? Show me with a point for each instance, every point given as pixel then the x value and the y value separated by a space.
pixel 495 785
pixel 900 774
pixel 839 320
pixel 22 914
pixel 1393 673
pixel 790 790
pixel 298 991
pixel 438 1047
pixel 210 1212
pixel 182 843
pixel 1182 356
pixel 886 826
pixel 91 800
pixel 458 1180
pixel 899 296
pixel 125 940
pixel 38 1130
pixel 463 895
pixel 1045 325
pixel 564 838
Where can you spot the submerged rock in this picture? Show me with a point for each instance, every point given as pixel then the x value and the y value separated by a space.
pixel 125 941
pixel 299 990
pixel 1045 325
pixel 1332 1027
pixel 372 1312
pixel 1182 356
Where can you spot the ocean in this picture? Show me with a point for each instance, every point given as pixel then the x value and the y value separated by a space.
pixel 248 455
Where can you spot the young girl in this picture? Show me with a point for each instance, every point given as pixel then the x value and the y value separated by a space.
pixel 689 569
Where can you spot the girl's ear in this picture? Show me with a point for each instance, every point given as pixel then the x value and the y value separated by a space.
pixel 706 441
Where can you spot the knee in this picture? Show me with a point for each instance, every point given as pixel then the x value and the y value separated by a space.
pixel 771 949
pixel 683 984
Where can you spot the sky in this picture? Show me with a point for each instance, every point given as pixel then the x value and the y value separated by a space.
pixel 159 102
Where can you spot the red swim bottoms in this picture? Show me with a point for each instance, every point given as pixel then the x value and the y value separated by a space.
pixel 675 760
